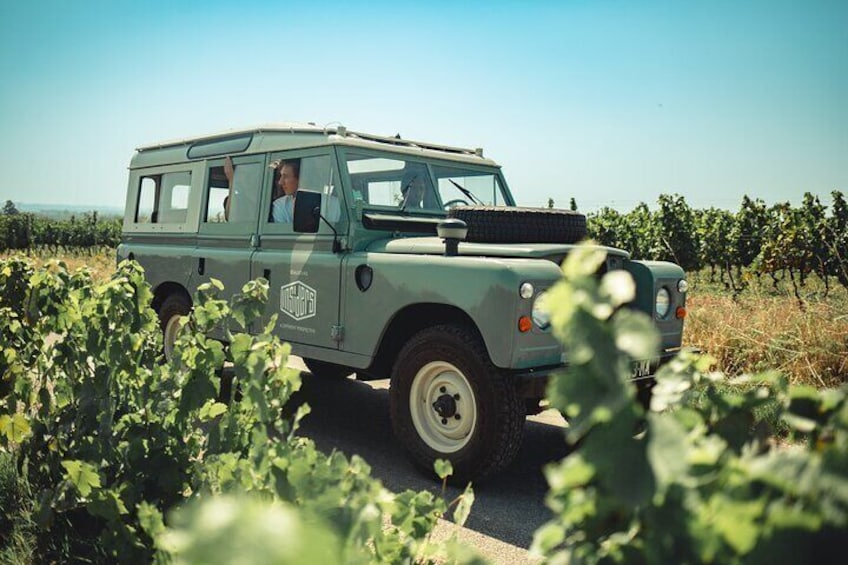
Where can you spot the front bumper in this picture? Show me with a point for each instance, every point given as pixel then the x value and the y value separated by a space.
pixel 642 370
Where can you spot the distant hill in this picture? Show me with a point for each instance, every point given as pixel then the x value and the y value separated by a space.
pixel 63 211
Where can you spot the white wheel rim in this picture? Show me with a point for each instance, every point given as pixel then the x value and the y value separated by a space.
pixel 172 328
pixel 442 406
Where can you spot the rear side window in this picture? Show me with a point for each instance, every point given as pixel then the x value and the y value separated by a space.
pixel 163 198
pixel 236 203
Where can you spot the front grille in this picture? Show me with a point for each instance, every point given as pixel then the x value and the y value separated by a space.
pixel 612 263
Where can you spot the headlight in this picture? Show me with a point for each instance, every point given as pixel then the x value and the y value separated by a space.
pixel 682 286
pixel 663 302
pixel 541 314
pixel 526 290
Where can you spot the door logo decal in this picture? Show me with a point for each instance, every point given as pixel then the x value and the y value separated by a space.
pixel 299 301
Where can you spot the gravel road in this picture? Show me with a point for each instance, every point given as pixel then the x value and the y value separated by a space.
pixel 353 417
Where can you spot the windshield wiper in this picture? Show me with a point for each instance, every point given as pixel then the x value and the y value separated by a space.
pixel 466 192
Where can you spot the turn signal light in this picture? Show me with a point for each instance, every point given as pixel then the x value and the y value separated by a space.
pixel 680 312
pixel 524 324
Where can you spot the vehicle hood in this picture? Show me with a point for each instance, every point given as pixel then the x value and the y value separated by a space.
pixel 555 252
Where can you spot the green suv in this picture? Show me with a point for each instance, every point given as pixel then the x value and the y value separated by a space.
pixel 387 258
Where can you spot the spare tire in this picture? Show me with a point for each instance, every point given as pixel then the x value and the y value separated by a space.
pixel 500 224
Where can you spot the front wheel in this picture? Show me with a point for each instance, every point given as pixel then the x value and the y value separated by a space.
pixel 449 402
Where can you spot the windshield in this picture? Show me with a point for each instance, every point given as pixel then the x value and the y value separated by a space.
pixel 414 186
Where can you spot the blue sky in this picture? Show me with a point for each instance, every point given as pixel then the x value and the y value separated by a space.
pixel 609 102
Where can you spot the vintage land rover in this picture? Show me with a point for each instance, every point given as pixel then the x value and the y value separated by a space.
pixel 402 260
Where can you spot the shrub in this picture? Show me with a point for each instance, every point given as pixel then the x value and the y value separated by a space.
pixel 701 481
pixel 112 441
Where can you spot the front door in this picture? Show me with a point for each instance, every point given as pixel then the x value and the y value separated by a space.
pixel 302 269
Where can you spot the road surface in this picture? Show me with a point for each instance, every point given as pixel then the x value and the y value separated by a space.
pixel 353 417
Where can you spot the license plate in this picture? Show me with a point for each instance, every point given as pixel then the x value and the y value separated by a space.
pixel 641 369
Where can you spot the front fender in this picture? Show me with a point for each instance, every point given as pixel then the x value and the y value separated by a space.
pixel 650 276
pixel 483 288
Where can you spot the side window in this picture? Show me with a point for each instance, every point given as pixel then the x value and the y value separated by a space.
pixel 163 199
pixel 235 203
pixel 148 194
pixel 303 173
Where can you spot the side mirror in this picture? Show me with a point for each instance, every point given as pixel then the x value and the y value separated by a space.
pixel 307 211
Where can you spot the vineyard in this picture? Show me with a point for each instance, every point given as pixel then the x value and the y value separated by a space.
pixel 779 242
pixel 24 231
pixel 89 410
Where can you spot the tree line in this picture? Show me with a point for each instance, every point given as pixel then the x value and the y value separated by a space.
pixel 780 241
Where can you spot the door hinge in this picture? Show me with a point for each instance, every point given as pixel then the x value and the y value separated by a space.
pixel 337 333
pixel 254 240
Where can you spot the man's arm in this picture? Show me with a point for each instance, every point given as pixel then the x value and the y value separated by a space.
pixel 229 172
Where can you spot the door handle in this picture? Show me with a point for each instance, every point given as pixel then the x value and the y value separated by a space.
pixel 267 274
pixel 201 265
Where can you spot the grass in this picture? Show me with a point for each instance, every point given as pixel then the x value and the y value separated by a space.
pixel 765 328
pixel 17 531
pixel 101 261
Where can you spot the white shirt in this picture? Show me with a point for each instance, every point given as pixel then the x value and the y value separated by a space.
pixel 282 210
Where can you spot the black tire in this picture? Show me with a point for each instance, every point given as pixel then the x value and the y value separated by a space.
pixel 500 224
pixel 173 307
pixel 450 362
pixel 326 370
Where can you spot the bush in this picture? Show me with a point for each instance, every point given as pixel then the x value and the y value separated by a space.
pixel 112 442
pixel 701 481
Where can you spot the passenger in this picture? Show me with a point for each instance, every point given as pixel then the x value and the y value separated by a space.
pixel 282 208
pixel 413 189
pixel 285 192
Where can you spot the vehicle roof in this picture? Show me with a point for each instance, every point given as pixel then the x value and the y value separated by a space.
pixel 295 135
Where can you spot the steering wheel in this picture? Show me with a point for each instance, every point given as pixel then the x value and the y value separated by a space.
pixel 451 203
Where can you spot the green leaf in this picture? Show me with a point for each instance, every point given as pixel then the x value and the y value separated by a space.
pixel 667 449
pixel 636 335
pixel 82 475
pixel 106 504
pixel 799 423
pixel 583 261
pixel 737 521
pixel 14 427
pixel 443 468
pixel 547 538
pixel 211 410
pixel 572 472
pixel 618 286
pixel 463 507
pixel 151 521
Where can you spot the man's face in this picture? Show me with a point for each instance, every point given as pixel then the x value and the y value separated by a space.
pixel 288 181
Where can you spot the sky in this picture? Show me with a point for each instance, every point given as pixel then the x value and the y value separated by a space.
pixel 609 102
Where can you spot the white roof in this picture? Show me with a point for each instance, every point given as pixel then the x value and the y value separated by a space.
pixel 308 127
